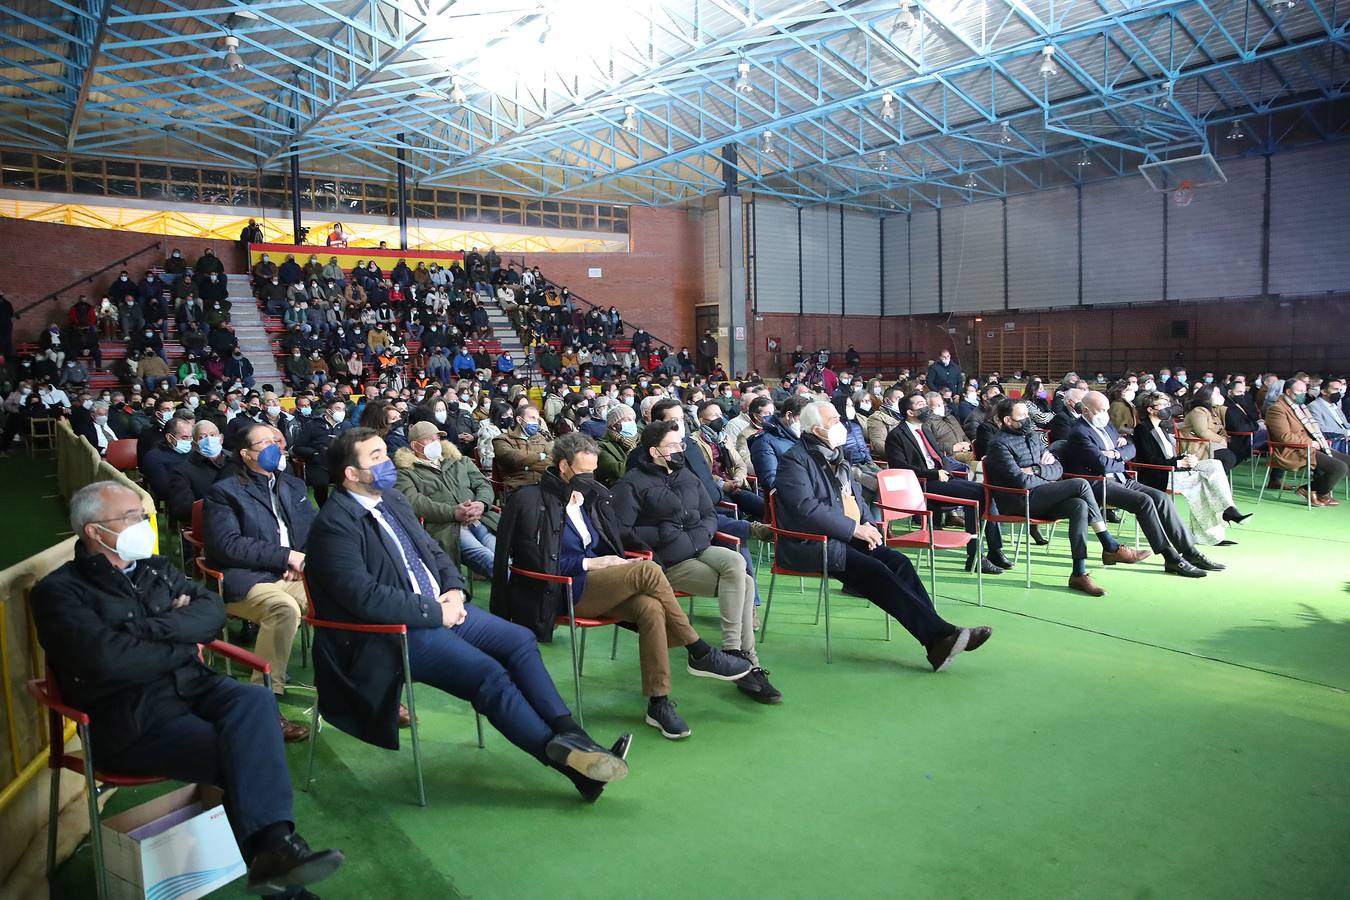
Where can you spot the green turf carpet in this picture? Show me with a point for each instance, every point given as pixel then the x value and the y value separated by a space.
pixel 1174 739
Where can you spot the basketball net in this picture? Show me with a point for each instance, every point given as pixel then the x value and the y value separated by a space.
pixel 1183 195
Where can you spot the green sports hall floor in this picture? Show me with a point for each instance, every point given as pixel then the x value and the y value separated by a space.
pixel 1176 738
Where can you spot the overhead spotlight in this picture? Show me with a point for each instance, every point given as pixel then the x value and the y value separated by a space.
pixel 548 29
pixel 1283 4
pixel 233 61
pixel 888 107
pixel 743 84
pixel 1165 98
pixel 1048 68
pixel 1236 133
pixel 906 21
pixel 630 119
pixel 1005 136
pixel 971 183
pixel 883 164
pixel 1084 160
pixel 766 143
pixel 457 96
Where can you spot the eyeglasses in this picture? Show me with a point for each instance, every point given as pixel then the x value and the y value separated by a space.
pixel 134 517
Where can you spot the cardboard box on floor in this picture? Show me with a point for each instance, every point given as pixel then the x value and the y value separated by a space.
pixel 176 847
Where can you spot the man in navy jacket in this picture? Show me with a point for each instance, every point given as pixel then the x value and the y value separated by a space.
pixel 1094 447
pixel 373 563
pixel 817 495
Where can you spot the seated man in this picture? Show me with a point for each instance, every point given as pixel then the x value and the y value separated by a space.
pixel 1018 458
pixel 665 506
pixel 521 455
pixel 120 627
pixel 257 523
pixel 780 434
pixel 817 494
pixel 951 438
pixel 883 419
pixel 168 454
pixel 450 495
pixel 1330 417
pixel 620 438
pixel 911 445
pixel 373 563
pixel 566 525
pixel 1289 422
pixel 1068 415
pixel 1094 447
pixel 727 467
pixel 192 480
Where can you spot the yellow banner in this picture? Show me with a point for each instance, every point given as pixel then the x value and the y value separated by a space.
pixel 348 257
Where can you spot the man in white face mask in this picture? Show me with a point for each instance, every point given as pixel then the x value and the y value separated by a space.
pixel 817 495
pixel 120 627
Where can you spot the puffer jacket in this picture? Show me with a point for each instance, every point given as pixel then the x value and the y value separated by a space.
pixel 668 511
pixel 435 489
pixel 767 447
pixel 521 460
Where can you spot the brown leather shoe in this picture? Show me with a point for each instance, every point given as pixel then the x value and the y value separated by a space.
pixel 1316 498
pixel 1127 555
pixel 293 732
pixel 404 717
pixel 1327 499
pixel 1086 585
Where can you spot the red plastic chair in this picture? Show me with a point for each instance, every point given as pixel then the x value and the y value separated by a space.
pixel 573 623
pixel 312 619
pixel 903 498
pixel 1307 468
pixel 121 454
pixel 48 695
pixel 1025 520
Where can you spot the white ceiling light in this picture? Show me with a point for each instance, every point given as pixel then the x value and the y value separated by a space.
pixel 1084 160
pixel 457 96
pixel 233 61
pixel 1236 133
pixel 888 107
pixel 1283 4
pixel 906 21
pixel 883 164
pixel 1005 136
pixel 630 119
pixel 1165 98
pixel 1048 68
pixel 766 143
pixel 971 183
pixel 743 78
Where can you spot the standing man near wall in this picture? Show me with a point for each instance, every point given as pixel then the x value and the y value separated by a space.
pixel 945 374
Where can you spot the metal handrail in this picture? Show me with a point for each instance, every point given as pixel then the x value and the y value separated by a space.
pixel 56 294
pixel 575 296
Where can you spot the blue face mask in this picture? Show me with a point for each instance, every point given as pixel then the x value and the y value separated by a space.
pixel 304 410
pixel 182 446
pixel 628 429
pixel 531 429
pixel 209 446
pixel 269 460
pixel 385 475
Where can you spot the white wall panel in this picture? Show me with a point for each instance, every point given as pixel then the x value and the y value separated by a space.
pixel 1043 249
pixel 712 256
pixel 972 257
pixel 895 265
pixel 1122 242
pixel 1214 245
pixel 816 259
pixel 1309 199
pixel 862 264
pixel 776 260
pixel 923 261
pixel 834 257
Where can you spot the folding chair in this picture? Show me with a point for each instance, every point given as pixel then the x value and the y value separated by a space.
pixel 903 498
pixel 571 620
pixel 1025 520
pixel 48 695
pixel 41 428
pixel 1271 464
pixel 1251 458
pixel 121 454
pixel 313 620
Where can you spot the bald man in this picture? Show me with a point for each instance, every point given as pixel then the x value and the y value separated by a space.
pixel 191 481
pixel 1094 447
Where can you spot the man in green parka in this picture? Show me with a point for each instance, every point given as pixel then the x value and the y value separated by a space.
pixel 451 496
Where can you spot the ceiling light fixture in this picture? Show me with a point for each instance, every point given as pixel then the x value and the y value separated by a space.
pixel 1005 137
pixel 1236 133
pixel 883 164
pixel 630 119
pixel 766 143
pixel 457 96
pixel 1284 4
pixel 743 78
pixel 1048 68
pixel 233 61
pixel 906 21
pixel 1165 98
pixel 888 107
pixel 971 183
pixel 1084 160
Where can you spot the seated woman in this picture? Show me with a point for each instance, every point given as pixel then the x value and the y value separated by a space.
pixel 1203 482
pixel 1205 420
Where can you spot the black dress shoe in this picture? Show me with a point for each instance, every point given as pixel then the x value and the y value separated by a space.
pixel 944 650
pixel 1200 561
pixel 290 863
pixel 1237 518
pixel 1183 568
pixel 998 559
pixel 589 788
pixel 1226 543
pixel 576 751
pixel 978 635
pixel 986 566
pixel 1111 516
pixel 1036 536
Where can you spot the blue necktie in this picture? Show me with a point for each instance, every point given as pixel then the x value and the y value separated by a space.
pixel 410 553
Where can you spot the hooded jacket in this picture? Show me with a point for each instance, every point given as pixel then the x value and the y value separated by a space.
pixel 668 511
pixel 435 488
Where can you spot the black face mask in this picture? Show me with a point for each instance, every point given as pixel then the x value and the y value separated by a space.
pixel 675 461
pixel 925 415
pixel 582 482
pixel 1025 428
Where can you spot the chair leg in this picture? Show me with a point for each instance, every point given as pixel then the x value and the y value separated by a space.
pixel 1261 493
pixel 825 594
pixel 576 671
pixel 53 814
pixel 412 715
pixel 95 827
pixel 614 647
pixel 313 739
pixel 581 663
pixel 304 646
pixel 768 602
pixel 979 568
pixel 478 720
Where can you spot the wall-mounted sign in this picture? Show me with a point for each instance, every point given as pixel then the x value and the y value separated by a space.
pixel 593 272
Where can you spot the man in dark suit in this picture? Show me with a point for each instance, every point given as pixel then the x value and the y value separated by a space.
pixel 1094 447
pixel 911 445
pixel 817 494
pixel 256 522
pixel 120 627
pixel 373 563
pixel 315 437
pixel 1067 413
pixel 203 467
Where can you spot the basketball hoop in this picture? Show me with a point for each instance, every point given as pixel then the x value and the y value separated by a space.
pixel 1184 194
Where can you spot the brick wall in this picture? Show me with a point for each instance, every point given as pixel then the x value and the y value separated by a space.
pixel 44 257
pixel 657 284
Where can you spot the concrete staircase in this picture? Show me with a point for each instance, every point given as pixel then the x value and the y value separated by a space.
pixel 248 330
pixel 501 327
